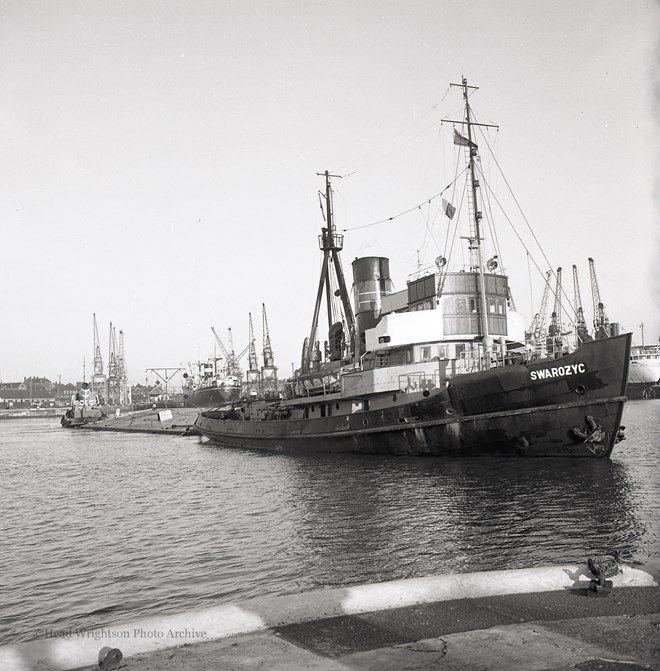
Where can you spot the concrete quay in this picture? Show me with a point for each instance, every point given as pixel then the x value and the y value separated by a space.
pixel 530 619
pixel 149 421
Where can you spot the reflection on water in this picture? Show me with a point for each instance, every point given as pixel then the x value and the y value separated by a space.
pixel 407 518
pixel 102 528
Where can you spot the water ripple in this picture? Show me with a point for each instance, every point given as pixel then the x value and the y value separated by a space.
pixel 102 528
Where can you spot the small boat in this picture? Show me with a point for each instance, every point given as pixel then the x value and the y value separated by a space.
pixel 439 368
pixel 85 408
pixel 209 385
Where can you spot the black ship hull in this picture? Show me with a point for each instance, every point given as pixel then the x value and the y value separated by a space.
pixel 568 407
pixel 211 397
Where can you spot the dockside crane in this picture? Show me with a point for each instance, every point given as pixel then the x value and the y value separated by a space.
pixel 231 360
pixel 253 375
pixel 98 376
pixel 537 328
pixel 601 321
pixel 113 377
pixel 581 330
pixel 268 370
pixel 122 373
pixel 554 342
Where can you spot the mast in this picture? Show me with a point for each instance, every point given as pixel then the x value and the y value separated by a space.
pixel 330 244
pixel 476 255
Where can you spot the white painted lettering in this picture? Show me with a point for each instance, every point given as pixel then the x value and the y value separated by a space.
pixel 558 371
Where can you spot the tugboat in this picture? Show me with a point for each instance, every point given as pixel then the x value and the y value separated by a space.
pixel 85 408
pixel 440 368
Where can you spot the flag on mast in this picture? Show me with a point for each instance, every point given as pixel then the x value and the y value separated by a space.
pixel 463 141
pixel 448 209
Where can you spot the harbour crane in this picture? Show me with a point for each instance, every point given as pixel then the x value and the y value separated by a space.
pixel 582 332
pixel 98 376
pixel 122 374
pixel 253 375
pixel 537 328
pixel 268 370
pixel 231 360
pixel 601 321
pixel 113 377
pixel 554 342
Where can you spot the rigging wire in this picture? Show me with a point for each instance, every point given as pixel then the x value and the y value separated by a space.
pixel 513 228
pixel 392 151
pixel 490 220
pixel 401 214
pixel 394 137
pixel 531 295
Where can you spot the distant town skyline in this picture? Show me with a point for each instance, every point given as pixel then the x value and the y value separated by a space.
pixel 159 161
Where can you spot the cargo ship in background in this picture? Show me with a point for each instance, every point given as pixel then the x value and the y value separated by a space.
pixel 644 376
pixel 440 368
pixel 209 385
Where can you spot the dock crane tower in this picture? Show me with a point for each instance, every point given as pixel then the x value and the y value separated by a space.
pixel 582 332
pixel 253 375
pixel 122 374
pixel 601 321
pixel 554 342
pixel 113 372
pixel 268 370
pixel 99 380
pixel 537 328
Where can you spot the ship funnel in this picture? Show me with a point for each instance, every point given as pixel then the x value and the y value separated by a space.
pixel 371 281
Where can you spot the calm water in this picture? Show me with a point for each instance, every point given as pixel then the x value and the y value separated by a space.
pixel 101 528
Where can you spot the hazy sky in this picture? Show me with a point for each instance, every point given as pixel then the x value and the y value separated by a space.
pixel 158 160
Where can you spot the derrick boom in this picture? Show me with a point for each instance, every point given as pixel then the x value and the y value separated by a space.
pixel 231 360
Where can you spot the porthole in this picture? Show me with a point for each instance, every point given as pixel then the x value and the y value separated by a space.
pixel 337 406
pixel 365 422
pixel 449 411
pixel 394 397
pixel 426 392
pixel 580 389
